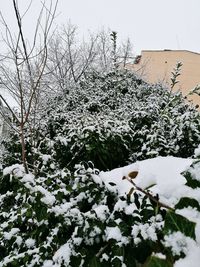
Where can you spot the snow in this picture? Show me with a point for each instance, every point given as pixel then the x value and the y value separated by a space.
pixel 130 208
pixel 101 212
pixel 162 173
pixel 30 242
pixel 196 172
pixel 179 243
pixel 61 209
pixel 48 199
pixel 113 233
pixel 63 254
pixel 197 151
pixel 13 232
pixel 9 259
pixel 105 257
pixel 164 176
pixel 147 230
pixel 192 259
pixel 197 231
pixel 46 158
pixel 16 169
pixel 19 240
pixel 160 255
pixel 29 178
pixel 48 263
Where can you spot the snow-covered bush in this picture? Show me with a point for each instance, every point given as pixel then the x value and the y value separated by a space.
pixel 75 219
pixel 114 118
pixel 60 220
pixel 111 119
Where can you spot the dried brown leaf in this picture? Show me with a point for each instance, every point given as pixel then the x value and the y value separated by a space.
pixel 133 174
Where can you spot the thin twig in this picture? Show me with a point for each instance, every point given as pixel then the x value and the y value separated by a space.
pixel 102 250
pixel 149 195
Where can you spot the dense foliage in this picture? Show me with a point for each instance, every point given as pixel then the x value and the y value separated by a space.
pixel 73 219
pixel 114 118
pixel 56 210
pixel 55 216
pixel 111 119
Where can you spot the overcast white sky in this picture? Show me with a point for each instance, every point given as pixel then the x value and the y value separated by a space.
pixel 150 24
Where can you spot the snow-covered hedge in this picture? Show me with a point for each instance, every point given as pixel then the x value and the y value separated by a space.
pixel 115 118
pixel 78 219
pixel 111 119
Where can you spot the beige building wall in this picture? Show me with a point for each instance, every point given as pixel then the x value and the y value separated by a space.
pixel 157 65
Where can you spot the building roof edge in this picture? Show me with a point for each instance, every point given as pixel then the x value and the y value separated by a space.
pixel 170 50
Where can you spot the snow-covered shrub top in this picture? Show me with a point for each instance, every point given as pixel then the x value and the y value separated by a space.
pixel 83 219
pixel 113 118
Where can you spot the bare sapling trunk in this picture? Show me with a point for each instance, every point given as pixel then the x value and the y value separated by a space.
pixel 23 67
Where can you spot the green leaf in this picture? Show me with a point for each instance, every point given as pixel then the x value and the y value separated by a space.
pixel 157 262
pixel 15 263
pixel 60 196
pixel 175 222
pixel 41 212
pixel 136 200
pixel 187 202
pixel 75 260
pixel 190 181
pixel 112 184
pixel 151 185
pixel 117 250
pixel 94 263
pixel 116 262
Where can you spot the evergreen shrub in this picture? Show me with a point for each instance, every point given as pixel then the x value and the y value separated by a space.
pixel 74 219
pixel 110 118
pixel 115 118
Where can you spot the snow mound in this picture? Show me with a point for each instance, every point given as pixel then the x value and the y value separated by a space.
pixel 161 174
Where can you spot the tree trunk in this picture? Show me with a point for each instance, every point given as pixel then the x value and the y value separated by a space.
pixel 23 148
